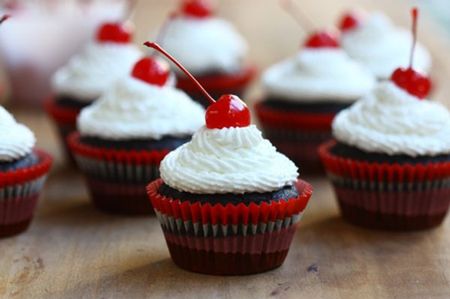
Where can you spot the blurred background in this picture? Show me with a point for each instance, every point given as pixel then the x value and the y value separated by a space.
pixel 43 34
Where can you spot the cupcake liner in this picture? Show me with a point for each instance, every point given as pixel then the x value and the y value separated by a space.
pixel 389 196
pixel 19 192
pixel 65 119
pixel 229 215
pixel 297 135
pixel 228 239
pixel 117 178
pixel 220 82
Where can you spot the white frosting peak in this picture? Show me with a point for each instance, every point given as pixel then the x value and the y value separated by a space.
pixel 382 47
pixel 132 108
pixel 93 70
pixel 16 140
pixel 318 74
pixel 391 121
pixel 229 160
pixel 204 44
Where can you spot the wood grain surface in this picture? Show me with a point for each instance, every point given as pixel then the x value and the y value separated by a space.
pixel 74 251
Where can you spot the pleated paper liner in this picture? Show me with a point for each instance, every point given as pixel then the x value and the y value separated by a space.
pixel 229 214
pixel 218 85
pixel 19 192
pixel 389 196
pixel 117 179
pixel 296 134
pixel 229 239
pixel 233 255
pixel 65 119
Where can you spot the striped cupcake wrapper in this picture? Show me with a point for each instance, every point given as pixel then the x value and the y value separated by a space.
pixel 117 179
pixel 19 193
pixel 389 196
pixel 230 239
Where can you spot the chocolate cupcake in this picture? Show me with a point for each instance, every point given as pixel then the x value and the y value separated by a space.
pixel 221 67
pixel 23 171
pixel 228 202
pixel 379 45
pixel 390 160
pixel 304 93
pixel 123 136
pixel 89 73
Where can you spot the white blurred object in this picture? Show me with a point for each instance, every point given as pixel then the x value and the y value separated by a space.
pixel 42 35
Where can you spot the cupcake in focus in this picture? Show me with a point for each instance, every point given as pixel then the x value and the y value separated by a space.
pixel 378 44
pixel 23 170
pixel 88 74
pixel 125 134
pixel 228 202
pixel 221 66
pixel 304 93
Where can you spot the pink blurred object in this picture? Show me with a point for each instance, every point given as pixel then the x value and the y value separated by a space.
pixel 42 35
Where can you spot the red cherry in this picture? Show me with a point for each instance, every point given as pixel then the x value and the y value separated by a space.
pixel 349 21
pixel 229 111
pixel 323 39
pixel 152 71
pixel 413 82
pixel 197 8
pixel 115 33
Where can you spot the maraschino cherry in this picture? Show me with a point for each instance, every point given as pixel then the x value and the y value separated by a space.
pixel 350 21
pixel 408 79
pixel 197 8
pixel 114 33
pixel 323 39
pixel 152 71
pixel 228 111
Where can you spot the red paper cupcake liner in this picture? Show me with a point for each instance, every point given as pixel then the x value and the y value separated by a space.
pixel 221 83
pixel 117 179
pixel 389 196
pixel 65 119
pixel 19 192
pixel 206 214
pixel 236 255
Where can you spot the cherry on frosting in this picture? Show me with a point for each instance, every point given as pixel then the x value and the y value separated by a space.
pixel 408 79
pixel 152 71
pixel 114 33
pixel 322 39
pixel 229 111
pixel 349 21
pixel 197 8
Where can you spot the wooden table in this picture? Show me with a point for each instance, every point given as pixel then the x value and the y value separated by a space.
pixel 74 251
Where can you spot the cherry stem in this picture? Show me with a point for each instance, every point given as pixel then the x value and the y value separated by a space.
pixel 415 15
pixel 4 18
pixel 181 67
pixel 292 9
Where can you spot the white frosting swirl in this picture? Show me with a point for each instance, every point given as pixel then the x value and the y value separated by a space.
pixel 135 109
pixel 318 74
pixel 204 44
pixel 391 121
pixel 16 140
pixel 382 47
pixel 229 160
pixel 93 70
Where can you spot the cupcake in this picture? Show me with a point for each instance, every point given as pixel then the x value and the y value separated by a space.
pixel 304 93
pixel 228 202
pixel 381 46
pixel 221 67
pixel 390 159
pixel 124 135
pixel 23 170
pixel 88 74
